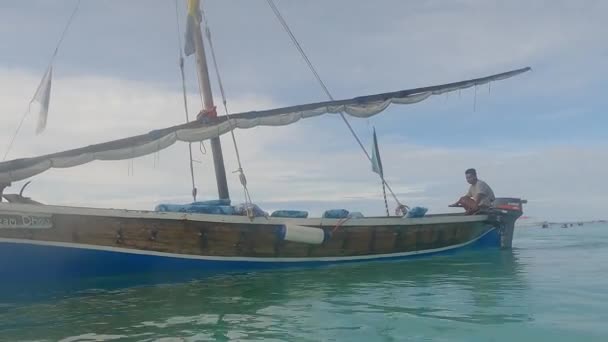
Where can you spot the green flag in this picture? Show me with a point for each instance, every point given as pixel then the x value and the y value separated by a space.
pixel 376 162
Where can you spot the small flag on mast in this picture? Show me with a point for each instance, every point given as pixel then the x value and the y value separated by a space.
pixel 192 23
pixel 377 168
pixel 376 162
pixel 43 97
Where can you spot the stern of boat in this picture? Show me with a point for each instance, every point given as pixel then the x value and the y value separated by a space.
pixel 505 213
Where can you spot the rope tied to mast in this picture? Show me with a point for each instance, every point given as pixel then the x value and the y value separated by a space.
pixel 205 114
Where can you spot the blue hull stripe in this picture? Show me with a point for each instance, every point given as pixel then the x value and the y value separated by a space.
pixel 20 259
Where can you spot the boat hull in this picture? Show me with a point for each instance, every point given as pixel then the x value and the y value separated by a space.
pixel 21 259
pixel 60 242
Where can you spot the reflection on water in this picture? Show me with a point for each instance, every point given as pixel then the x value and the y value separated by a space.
pixel 347 302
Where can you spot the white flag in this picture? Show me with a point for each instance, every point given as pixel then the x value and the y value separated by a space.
pixel 43 97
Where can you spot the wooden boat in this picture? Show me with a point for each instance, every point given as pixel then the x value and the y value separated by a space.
pixel 47 241
pixel 53 241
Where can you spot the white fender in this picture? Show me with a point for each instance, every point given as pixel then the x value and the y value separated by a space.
pixel 303 234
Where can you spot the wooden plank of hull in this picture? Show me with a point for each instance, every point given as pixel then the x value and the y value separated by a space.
pixel 201 238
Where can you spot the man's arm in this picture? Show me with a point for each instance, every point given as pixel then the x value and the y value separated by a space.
pixel 469 192
pixel 482 192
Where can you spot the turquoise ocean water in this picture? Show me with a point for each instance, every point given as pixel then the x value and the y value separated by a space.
pixel 553 286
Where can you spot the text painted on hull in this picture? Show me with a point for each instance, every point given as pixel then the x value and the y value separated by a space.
pixel 22 220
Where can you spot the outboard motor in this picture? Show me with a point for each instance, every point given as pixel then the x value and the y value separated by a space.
pixel 506 211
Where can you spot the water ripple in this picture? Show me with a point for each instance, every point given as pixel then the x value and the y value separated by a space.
pixel 551 286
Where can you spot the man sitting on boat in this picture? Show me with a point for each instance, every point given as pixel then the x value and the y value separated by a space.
pixel 479 197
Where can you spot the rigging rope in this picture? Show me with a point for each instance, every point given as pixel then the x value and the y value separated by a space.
pixel 185 97
pixel 240 171
pixel 24 115
pixel 326 90
pixel 385 201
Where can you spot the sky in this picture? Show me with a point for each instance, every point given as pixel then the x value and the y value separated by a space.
pixel 539 136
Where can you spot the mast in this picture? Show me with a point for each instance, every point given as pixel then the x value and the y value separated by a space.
pixel 209 108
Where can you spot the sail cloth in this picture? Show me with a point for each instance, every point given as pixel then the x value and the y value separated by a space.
pixel 141 145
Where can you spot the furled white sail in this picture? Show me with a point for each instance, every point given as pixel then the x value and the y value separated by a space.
pixel 361 107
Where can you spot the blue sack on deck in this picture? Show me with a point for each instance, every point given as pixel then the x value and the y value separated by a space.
pixel 355 214
pixel 416 212
pixel 290 213
pixel 168 207
pixel 196 208
pixel 336 213
pixel 224 201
